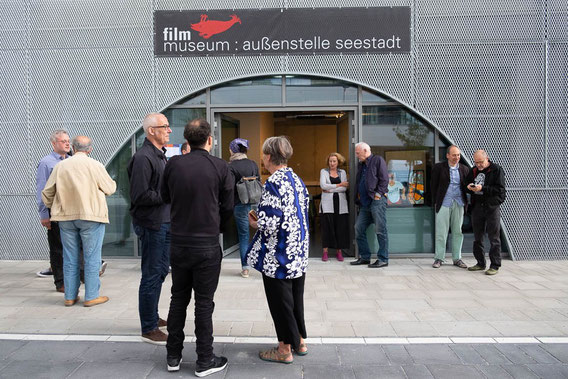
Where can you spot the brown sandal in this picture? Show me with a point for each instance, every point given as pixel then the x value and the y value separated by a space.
pixel 273 355
pixel 300 351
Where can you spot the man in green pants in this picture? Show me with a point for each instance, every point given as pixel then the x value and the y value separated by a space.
pixel 449 199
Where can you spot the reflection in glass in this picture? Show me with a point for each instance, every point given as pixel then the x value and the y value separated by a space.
pixel 119 237
pixel 199 99
pixel 178 118
pixel 407 145
pixel 301 89
pixel 267 90
pixel 372 97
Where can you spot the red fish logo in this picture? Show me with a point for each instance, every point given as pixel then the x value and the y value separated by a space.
pixel 208 28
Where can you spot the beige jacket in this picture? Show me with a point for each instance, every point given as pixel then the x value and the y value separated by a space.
pixel 76 190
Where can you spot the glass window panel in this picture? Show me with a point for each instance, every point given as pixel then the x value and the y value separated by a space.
pixel 249 91
pixel 119 236
pixel 372 97
pixel 178 118
pixel 407 145
pixel 319 91
pixel 199 99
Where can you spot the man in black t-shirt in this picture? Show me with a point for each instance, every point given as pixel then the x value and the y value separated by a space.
pixel 199 188
pixel 486 183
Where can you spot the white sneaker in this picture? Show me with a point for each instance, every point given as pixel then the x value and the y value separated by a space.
pixel 245 273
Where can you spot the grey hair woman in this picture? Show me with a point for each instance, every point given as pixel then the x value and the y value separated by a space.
pixel 279 249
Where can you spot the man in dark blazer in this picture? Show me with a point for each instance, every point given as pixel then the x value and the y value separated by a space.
pixel 449 198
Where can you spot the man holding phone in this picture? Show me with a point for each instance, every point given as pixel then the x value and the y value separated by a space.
pixel 487 186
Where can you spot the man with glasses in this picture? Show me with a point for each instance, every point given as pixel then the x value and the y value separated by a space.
pixel 486 183
pixel 61 147
pixel 151 219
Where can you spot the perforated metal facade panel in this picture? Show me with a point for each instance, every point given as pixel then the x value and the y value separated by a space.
pixel 488 74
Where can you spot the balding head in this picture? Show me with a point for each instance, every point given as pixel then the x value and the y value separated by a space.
pixel 453 155
pixel 82 144
pixel 481 159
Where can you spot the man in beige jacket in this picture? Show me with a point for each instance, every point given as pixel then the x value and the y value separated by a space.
pixel 75 193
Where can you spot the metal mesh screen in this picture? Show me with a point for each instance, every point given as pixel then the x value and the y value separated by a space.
pixel 216 4
pixel 175 83
pixel 557 20
pixel 13 24
pixel 13 85
pixel 15 164
pixel 389 72
pixel 536 235
pixel 23 236
pixel 558 115
pixel 90 24
pixel 525 229
pixel 90 84
pixel 488 96
pixel 485 20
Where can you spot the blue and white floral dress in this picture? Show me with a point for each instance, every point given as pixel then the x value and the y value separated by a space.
pixel 280 247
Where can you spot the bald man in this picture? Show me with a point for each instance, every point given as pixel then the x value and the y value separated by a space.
pixel 486 183
pixel 151 219
pixel 448 186
pixel 75 194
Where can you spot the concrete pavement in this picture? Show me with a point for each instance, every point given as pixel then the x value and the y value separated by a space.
pixel 407 299
pixel 406 321
pixel 49 359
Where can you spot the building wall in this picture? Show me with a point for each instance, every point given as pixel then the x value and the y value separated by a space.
pixel 489 74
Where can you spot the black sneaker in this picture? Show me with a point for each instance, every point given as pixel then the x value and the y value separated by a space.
pixel 217 364
pixel 45 273
pixel 173 363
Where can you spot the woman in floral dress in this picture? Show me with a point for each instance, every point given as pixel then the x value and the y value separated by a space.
pixel 279 249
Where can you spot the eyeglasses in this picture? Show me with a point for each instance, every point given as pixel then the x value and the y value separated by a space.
pixel 161 126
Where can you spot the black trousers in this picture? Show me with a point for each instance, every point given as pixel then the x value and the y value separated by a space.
pixel 55 253
pixel 286 303
pixel 487 221
pixel 197 269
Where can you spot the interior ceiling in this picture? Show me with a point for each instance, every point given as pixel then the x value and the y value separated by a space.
pixel 311 115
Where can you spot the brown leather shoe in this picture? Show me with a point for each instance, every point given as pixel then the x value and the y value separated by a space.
pixel 162 323
pixel 97 301
pixel 156 337
pixel 60 289
pixel 69 303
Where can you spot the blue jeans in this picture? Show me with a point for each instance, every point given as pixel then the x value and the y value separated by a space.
pixel 375 213
pixel 89 235
pixel 155 248
pixel 241 219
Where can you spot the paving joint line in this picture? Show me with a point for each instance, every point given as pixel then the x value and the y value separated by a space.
pixel 312 340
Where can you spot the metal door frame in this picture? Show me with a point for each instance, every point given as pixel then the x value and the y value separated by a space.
pixel 355 119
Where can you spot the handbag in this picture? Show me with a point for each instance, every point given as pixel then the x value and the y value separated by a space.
pixel 249 190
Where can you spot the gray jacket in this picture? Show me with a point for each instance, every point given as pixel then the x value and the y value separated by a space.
pixel 326 205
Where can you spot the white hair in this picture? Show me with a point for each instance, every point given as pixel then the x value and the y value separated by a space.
pixel 364 146
pixel 149 120
pixel 56 133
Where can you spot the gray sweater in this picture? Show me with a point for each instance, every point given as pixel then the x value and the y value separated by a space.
pixel 326 205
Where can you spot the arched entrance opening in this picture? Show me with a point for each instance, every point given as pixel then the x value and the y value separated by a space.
pixel 320 115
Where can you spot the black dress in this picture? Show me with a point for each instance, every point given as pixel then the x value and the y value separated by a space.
pixel 335 226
